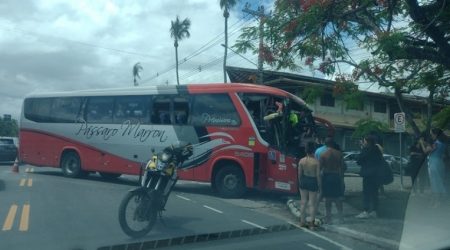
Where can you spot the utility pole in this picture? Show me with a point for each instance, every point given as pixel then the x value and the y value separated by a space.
pixel 259 13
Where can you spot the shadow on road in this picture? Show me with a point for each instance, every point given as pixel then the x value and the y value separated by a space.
pixel 125 180
pixel 391 206
pixel 251 194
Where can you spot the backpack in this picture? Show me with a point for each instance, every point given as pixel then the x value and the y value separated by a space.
pixel 385 174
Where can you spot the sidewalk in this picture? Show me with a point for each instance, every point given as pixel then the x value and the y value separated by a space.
pixel 386 230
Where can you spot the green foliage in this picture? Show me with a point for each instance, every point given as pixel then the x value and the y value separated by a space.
pixel 9 128
pixel 442 119
pixel 310 94
pixel 180 29
pixel 405 42
pixel 347 90
pixel 367 126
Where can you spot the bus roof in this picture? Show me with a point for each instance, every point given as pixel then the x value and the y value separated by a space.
pixel 173 89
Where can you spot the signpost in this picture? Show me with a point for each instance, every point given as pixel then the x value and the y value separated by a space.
pixel 399 126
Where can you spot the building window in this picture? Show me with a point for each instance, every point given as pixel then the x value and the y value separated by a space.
pixel 379 107
pixel 327 100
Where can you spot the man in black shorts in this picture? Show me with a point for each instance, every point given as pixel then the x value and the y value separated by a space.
pixel 332 165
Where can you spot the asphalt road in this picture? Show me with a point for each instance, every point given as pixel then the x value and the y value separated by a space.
pixel 41 209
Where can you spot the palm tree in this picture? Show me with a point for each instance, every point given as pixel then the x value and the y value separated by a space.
pixel 179 31
pixel 226 5
pixel 137 68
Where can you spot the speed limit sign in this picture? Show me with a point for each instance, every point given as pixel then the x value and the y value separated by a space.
pixel 399 122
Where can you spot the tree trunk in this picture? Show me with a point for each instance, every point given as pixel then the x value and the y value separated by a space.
pixel 176 62
pixel 226 49
pixel 430 101
pixel 408 115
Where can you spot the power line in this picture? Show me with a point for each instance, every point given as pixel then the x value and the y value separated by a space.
pixel 214 41
pixel 26 32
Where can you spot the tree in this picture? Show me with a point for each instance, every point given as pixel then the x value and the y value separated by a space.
pixel 178 31
pixel 406 42
pixel 8 127
pixel 137 68
pixel 366 126
pixel 226 5
pixel 442 119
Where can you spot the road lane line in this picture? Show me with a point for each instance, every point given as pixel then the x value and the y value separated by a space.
pixel 24 218
pixel 30 182
pixel 10 218
pixel 22 182
pixel 184 198
pixel 253 224
pixel 321 236
pixel 213 209
pixel 314 246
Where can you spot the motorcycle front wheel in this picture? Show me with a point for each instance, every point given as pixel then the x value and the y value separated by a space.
pixel 137 213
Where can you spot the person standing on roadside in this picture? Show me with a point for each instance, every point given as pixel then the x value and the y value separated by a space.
pixel 370 160
pixel 436 165
pixel 309 184
pixel 332 166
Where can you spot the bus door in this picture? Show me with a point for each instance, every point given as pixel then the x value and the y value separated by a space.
pixel 280 165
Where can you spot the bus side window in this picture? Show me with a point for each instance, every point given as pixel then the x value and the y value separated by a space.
pixel 66 109
pixel 161 110
pixel 99 109
pixel 181 110
pixel 214 110
pixel 131 108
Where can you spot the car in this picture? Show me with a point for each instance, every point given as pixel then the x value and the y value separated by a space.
pixel 350 161
pixel 395 164
pixel 8 149
pixel 351 157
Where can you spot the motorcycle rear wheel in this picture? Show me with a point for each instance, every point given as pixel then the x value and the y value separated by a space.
pixel 137 209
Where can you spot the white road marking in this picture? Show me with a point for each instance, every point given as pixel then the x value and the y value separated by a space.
pixel 373 237
pixel 322 237
pixel 213 209
pixel 314 246
pixel 254 224
pixel 184 198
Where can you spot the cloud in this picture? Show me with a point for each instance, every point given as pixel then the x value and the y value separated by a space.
pixel 65 45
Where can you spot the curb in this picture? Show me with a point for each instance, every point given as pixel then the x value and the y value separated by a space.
pixel 379 241
pixel 361 236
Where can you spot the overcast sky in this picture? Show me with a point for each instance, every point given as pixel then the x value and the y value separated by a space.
pixel 65 45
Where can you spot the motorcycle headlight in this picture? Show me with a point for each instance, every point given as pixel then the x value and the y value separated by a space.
pixel 165 157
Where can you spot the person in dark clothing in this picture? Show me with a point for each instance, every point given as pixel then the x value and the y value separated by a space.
pixel 370 160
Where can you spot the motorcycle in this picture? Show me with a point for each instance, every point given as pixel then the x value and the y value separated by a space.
pixel 139 208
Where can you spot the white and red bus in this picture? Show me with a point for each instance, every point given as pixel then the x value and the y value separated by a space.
pixel 113 131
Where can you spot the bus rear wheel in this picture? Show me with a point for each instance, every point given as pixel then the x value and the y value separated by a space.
pixel 109 176
pixel 229 182
pixel 71 165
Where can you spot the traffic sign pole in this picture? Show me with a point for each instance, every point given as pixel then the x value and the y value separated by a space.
pixel 399 122
pixel 401 162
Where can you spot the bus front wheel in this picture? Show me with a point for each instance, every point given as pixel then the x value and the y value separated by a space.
pixel 229 182
pixel 71 165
